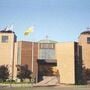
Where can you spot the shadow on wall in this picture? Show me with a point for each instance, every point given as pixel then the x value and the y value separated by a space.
pixel 80 75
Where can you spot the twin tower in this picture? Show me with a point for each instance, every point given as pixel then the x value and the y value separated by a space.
pixel 69 58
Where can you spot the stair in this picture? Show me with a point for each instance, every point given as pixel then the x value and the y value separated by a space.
pixel 48 80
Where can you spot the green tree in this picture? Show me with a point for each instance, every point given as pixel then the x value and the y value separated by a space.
pixel 4 73
pixel 23 72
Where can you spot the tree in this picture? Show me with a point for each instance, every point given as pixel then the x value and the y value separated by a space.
pixel 4 73
pixel 23 72
pixel 88 74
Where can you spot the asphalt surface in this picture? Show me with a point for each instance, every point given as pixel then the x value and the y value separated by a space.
pixel 62 87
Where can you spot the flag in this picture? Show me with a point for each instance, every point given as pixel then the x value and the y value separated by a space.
pixel 28 31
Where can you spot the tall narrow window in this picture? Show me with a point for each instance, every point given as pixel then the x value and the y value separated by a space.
pixel 88 40
pixel 4 39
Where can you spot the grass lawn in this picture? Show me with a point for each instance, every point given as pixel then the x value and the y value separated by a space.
pixel 49 88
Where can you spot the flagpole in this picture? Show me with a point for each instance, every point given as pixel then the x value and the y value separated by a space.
pixel 27 32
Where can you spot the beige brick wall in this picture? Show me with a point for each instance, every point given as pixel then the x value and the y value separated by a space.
pixel 85 49
pixel 7 51
pixel 65 62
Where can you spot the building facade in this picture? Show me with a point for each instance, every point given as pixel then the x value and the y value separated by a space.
pixel 46 57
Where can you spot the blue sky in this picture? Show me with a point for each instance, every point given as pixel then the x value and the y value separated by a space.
pixel 61 20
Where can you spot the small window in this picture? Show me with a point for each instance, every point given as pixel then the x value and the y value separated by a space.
pixel 88 39
pixel 4 39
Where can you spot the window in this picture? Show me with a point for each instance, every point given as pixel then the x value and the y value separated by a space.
pixel 47 45
pixel 4 39
pixel 47 54
pixel 88 39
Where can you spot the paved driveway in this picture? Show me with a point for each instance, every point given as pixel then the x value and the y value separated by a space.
pixel 85 87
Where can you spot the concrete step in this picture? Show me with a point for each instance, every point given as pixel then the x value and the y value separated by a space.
pixel 48 80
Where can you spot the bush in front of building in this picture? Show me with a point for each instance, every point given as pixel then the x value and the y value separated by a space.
pixel 23 72
pixel 87 71
pixel 4 73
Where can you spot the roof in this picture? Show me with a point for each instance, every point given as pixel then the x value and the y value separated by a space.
pixel 4 31
pixel 86 32
pixel 47 41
